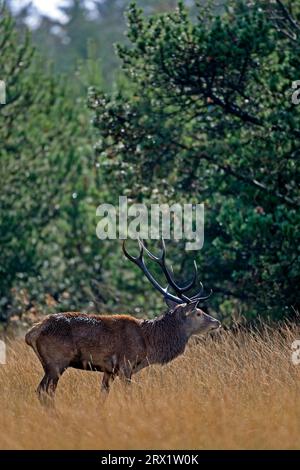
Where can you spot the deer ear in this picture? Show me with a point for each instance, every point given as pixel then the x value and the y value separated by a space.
pixel 170 303
pixel 189 308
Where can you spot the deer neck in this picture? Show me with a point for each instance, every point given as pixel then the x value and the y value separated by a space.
pixel 165 338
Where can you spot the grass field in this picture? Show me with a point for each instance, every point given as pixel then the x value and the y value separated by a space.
pixel 237 391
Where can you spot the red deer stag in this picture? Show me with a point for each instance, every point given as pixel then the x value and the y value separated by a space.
pixel 119 345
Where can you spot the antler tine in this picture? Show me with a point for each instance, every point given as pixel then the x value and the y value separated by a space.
pixel 178 289
pixel 139 261
pixel 162 263
pixel 161 260
pixel 151 255
pixel 134 259
pixel 198 296
pixel 192 283
pixel 141 247
pixel 200 291
pixel 163 251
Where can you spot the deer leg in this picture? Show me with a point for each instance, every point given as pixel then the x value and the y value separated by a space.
pixel 47 386
pixel 42 386
pixel 125 373
pixel 45 391
pixel 107 379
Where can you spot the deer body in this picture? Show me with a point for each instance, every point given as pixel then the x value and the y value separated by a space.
pixel 117 345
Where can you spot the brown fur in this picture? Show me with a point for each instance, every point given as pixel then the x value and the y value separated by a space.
pixel 113 344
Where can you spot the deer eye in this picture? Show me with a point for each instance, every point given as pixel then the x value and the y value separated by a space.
pixel 198 314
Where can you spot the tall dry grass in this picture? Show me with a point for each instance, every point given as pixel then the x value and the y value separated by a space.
pixel 237 391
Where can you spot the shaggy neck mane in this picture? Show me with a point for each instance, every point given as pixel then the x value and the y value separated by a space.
pixel 165 338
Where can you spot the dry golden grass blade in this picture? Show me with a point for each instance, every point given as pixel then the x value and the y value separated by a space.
pixel 237 391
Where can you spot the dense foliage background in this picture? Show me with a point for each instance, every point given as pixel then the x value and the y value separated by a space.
pixel 196 106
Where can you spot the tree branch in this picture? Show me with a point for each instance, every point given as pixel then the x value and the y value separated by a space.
pixel 245 178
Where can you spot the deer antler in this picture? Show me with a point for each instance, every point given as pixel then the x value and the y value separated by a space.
pixel 161 261
pixel 139 261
